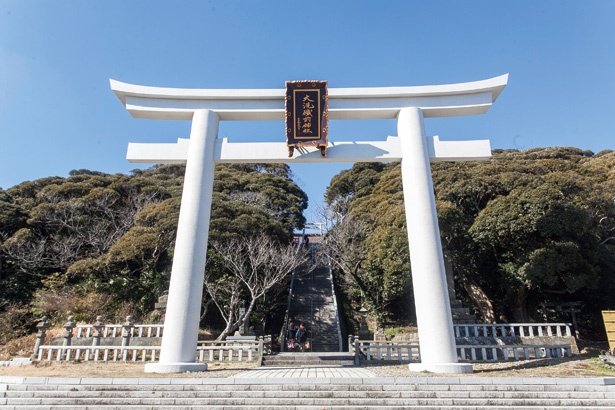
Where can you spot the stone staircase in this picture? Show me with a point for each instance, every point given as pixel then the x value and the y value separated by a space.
pixel 40 393
pixel 312 303
pixel 294 359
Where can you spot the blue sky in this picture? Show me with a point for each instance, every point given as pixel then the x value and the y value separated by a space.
pixel 57 112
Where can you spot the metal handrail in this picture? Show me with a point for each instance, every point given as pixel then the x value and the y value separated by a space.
pixel 290 297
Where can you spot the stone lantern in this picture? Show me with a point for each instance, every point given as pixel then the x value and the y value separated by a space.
pixel 68 330
pixel 41 327
pixel 364 333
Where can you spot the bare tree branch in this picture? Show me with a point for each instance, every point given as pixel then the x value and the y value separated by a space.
pixel 257 264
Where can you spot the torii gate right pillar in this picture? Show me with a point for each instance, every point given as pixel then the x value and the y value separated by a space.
pixel 434 320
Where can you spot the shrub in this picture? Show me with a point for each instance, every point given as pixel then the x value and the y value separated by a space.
pixel 15 321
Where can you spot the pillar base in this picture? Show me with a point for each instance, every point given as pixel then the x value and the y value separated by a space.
pixel 175 367
pixel 448 368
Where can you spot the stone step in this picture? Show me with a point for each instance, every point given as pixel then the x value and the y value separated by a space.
pixel 317 347
pixel 292 364
pixel 359 387
pixel 260 401
pixel 160 393
pixel 333 347
pixel 313 303
pixel 296 359
pixel 324 339
pixel 304 315
pixel 298 393
pixel 479 386
pixel 306 311
pixel 297 302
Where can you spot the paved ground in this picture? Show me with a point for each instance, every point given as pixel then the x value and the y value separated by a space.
pixel 583 365
pixel 307 372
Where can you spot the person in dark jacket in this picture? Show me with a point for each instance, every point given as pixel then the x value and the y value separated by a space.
pixel 301 336
pixel 291 333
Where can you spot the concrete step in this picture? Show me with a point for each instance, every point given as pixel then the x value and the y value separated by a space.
pixel 331 348
pixel 306 393
pixel 325 342
pixel 239 401
pixel 325 339
pixel 298 359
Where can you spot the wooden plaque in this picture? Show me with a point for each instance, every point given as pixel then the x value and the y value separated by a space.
pixel 307 115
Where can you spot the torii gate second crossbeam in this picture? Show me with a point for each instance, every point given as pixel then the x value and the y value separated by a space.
pixel 410 105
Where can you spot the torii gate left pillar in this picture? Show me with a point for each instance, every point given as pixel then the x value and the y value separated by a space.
pixel 415 150
pixel 180 335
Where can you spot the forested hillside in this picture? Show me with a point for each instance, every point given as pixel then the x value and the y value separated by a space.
pixel 524 229
pixel 95 244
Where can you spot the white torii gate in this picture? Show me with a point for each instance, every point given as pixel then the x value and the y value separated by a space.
pixel 410 105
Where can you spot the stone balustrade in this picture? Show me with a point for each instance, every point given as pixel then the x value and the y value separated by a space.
pixel 495 353
pixel 367 351
pixel 98 353
pixel 120 343
pixel 144 330
pixel 513 330
pixel 480 343
pixel 218 351
pixel 389 351
pixel 209 351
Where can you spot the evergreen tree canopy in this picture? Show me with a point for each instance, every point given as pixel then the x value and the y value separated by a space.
pixel 524 229
pixel 65 240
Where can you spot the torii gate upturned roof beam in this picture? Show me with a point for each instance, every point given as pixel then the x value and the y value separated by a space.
pixel 344 103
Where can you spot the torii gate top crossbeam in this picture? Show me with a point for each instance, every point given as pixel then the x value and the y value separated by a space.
pixel 344 103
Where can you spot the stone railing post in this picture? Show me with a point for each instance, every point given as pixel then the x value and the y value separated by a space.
pixel 99 328
pixel 42 327
pixel 68 334
pixel 350 343
pixel 357 350
pixel 127 329
pixel 260 352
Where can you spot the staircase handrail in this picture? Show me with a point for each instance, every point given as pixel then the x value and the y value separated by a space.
pixel 290 297
pixel 337 314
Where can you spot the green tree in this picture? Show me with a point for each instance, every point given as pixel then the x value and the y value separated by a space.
pixel 93 239
pixel 526 228
pixel 368 243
